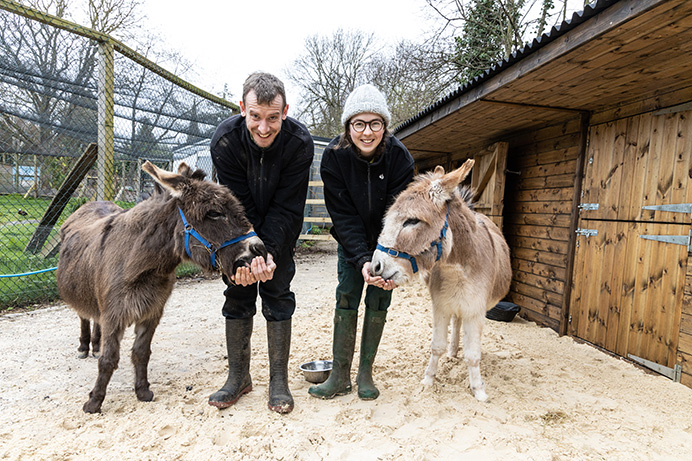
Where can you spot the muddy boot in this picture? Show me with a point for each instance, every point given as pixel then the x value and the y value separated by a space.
pixel 238 333
pixel 339 380
pixel 279 343
pixel 373 324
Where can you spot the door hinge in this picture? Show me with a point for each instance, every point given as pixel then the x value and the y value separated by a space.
pixel 685 240
pixel 674 373
pixel 673 208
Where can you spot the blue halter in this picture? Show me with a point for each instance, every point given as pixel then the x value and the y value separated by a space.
pixel 190 231
pixel 435 243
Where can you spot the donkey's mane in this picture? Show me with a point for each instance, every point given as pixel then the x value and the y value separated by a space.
pixel 467 194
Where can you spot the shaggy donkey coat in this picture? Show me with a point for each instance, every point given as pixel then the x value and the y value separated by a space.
pixel 117 267
pixel 461 254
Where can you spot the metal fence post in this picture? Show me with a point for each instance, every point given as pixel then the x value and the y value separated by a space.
pixel 104 190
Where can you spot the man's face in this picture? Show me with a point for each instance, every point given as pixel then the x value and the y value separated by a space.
pixel 263 120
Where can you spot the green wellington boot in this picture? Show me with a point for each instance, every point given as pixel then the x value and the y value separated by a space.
pixel 279 343
pixel 373 324
pixel 238 333
pixel 339 381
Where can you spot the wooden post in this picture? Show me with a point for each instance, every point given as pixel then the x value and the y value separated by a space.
pixel 574 221
pixel 61 199
pixel 105 166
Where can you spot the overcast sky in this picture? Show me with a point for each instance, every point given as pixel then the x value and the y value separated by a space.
pixel 227 40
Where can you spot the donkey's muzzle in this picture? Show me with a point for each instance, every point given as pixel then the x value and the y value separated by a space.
pixel 255 248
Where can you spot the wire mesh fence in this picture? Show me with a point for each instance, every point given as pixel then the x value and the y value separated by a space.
pixel 79 114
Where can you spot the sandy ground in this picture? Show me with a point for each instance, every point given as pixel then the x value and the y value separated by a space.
pixel 550 397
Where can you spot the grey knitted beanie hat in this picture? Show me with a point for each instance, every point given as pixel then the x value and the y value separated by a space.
pixel 365 98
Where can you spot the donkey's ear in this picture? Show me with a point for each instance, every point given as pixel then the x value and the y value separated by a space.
pixel 439 170
pixel 172 182
pixel 452 180
pixel 184 170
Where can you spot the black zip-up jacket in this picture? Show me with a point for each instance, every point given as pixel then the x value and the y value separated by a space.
pixel 357 194
pixel 271 183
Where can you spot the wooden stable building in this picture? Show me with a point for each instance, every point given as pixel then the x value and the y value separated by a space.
pixel 583 142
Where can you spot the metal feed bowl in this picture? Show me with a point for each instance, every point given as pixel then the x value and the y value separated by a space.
pixel 316 371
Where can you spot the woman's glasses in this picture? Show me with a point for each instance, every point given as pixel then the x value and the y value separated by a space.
pixel 375 125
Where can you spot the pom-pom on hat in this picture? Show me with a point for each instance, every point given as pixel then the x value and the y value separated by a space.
pixel 365 98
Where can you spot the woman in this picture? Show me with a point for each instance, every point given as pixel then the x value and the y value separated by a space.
pixel 363 169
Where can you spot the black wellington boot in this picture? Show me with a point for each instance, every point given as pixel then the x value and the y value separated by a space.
pixel 339 380
pixel 279 343
pixel 373 324
pixel 238 333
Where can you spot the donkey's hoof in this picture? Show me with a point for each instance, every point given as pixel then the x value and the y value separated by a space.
pixel 427 381
pixel 145 395
pixel 92 407
pixel 480 395
pixel 83 354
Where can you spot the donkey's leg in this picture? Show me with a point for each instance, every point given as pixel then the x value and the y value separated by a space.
pixel 141 351
pixel 84 338
pixel 96 339
pixel 107 364
pixel 453 345
pixel 441 317
pixel 473 329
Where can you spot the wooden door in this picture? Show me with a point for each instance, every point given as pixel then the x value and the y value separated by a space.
pixel 488 178
pixel 631 249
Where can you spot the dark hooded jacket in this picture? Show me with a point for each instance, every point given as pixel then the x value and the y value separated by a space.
pixel 271 183
pixel 357 193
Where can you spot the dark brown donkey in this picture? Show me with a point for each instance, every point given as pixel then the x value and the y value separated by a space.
pixel 118 267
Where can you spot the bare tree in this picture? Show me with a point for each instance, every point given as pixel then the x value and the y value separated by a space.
pixel 328 70
pixel 410 75
pixel 113 16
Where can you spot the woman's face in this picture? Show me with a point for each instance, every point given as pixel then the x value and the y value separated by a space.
pixel 367 140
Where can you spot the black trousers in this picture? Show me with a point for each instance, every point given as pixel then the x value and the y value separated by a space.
pixel 278 301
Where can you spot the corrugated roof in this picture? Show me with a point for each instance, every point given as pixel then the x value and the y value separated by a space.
pixel 536 44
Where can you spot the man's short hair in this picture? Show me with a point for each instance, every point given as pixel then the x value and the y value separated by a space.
pixel 266 87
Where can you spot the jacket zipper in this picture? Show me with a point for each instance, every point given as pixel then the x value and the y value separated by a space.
pixel 369 193
pixel 261 175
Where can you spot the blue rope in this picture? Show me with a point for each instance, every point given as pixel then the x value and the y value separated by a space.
pixel 28 273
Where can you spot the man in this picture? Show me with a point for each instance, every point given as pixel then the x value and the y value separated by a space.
pixel 264 157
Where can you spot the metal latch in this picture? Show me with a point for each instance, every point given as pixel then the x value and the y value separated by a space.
pixel 587 232
pixel 588 206
pixel 674 373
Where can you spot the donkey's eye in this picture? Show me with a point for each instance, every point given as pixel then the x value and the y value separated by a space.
pixel 214 215
pixel 411 222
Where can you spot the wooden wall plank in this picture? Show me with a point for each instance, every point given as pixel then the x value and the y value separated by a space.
pixel 548 195
pixel 549 233
pixel 543 270
pixel 536 310
pixel 549 284
pixel 550 246
pixel 542 257
pixel 543 208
